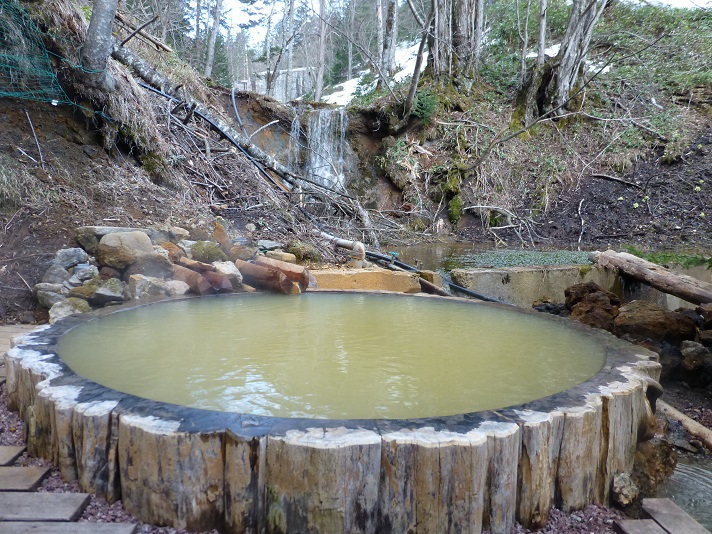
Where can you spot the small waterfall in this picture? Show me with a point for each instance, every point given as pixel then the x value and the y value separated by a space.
pixel 325 160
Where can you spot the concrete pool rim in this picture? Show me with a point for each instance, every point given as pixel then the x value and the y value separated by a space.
pixel 40 383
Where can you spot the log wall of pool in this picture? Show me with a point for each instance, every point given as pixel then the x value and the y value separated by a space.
pixel 201 469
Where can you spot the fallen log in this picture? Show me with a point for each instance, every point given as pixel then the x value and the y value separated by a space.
pixel 262 277
pixel 296 273
pixel 665 280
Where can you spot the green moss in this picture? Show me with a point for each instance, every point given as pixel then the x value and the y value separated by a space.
pixel 207 252
pixel 686 261
pixel 584 270
pixel 454 210
pixel 304 252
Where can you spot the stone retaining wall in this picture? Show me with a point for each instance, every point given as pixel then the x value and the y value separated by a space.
pixel 199 469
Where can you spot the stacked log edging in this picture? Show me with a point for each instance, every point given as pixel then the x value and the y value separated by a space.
pixel 199 469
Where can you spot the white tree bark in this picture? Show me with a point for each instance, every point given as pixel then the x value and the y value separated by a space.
pixel 574 47
pixel 378 56
pixel 319 85
pixel 540 57
pixel 524 38
pixel 388 51
pixel 213 37
pixel 99 44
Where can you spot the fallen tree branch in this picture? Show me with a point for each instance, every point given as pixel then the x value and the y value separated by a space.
pixel 614 179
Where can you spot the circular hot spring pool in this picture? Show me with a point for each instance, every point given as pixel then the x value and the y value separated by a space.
pixel 332 355
pixel 333 412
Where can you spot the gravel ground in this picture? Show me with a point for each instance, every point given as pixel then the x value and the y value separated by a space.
pixel 590 520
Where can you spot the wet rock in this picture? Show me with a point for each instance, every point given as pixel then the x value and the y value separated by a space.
pixel 705 311
pixel 579 292
pixel 68 307
pixel 596 310
pixel 220 282
pixel 207 252
pixel 642 320
pixel 55 274
pixel 50 294
pixel 696 365
pixel 670 359
pixel 692 314
pixel 121 249
pixel 177 288
pixel 154 265
pixel 69 257
pixel 623 490
pixel 655 461
pixel 553 308
pixel 705 337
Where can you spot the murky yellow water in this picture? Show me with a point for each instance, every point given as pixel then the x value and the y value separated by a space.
pixel 347 356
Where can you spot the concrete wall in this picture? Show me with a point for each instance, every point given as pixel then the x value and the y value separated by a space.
pixel 522 286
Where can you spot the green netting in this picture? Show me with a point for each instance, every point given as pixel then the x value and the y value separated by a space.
pixel 25 67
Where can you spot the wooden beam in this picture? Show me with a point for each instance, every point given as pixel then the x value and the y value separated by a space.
pixel 671 517
pixel 667 281
pixel 122 19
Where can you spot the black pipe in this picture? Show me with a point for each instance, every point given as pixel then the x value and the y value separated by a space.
pixel 459 289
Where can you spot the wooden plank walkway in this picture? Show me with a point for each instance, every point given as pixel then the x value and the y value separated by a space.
pixel 24 511
pixel 666 517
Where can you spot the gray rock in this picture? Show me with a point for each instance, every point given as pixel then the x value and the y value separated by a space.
pixel 177 288
pixel 82 273
pixel 141 286
pixel 56 274
pixel 624 491
pixel 69 257
pixel 121 249
pixel 266 244
pixel 50 294
pixel 230 270
pixel 250 227
pixel 66 308
pixel 153 265
pixel 89 236
pixel 111 291
pixel 164 233
pixel 185 244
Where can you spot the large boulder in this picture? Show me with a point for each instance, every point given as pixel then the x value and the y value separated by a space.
pixel 121 249
pixel 100 292
pixel 50 294
pixel 68 307
pixel 696 365
pixel 639 320
pixel 579 292
pixel 596 310
pixel 69 257
pixel 90 236
pixel 55 274
pixel 154 265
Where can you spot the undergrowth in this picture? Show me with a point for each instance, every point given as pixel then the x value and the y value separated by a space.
pixel 686 261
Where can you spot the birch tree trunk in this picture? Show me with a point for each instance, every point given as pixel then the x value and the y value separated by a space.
pixel 319 82
pixel 378 56
pixel 213 37
pixel 524 38
pixel 98 46
pixel 388 41
pixel 198 9
pixel 350 39
pixel 542 33
pixel 289 24
pixel 574 48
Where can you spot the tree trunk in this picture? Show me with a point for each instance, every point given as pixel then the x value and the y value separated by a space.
pixel 378 56
pixel 524 37
pixel 680 285
pixel 98 45
pixel 350 38
pixel 388 39
pixel 574 48
pixel 319 82
pixel 289 32
pixel 551 85
pixel 198 8
pixel 213 38
pixel 542 33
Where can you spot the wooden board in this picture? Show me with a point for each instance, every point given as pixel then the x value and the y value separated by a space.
pixel 7 332
pixel 10 453
pixel 53 527
pixel 42 506
pixel 671 517
pixel 639 526
pixel 22 478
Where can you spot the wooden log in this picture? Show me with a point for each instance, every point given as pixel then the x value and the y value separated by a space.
pixel 680 285
pixel 296 273
pixel 195 265
pixel 265 278
pixel 197 282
